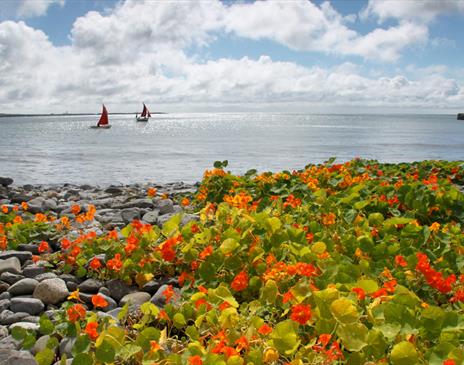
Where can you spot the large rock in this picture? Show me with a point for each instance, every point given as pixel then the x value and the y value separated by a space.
pixel 26 325
pixel 151 217
pixel 23 256
pixel 10 278
pixel 129 214
pixel 139 203
pixel 12 265
pixel 66 346
pixel 32 271
pixel 159 298
pixel 90 286
pixel 34 249
pixel 23 287
pixel 51 291
pixel 135 300
pixel 118 289
pixel 165 206
pixel 4 304
pixel 28 305
pixel 40 344
pixel 5 181
pixel 10 357
pixel 35 205
pixel 7 317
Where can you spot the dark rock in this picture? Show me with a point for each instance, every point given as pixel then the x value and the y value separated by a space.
pixel 66 346
pixel 51 291
pixel 114 190
pixel 68 277
pixel 18 198
pixel 151 287
pixel 5 181
pixel 90 286
pixel 34 249
pixel 139 203
pixel 118 289
pixel 3 287
pixel 32 271
pixel 23 287
pixel 104 290
pixel 10 278
pixel 71 285
pixel 4 304
pixel 8 317
pixel 27 305
pixel 12 265
pixel 22 256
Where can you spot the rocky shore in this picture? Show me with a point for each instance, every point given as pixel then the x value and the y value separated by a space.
pixel 29 289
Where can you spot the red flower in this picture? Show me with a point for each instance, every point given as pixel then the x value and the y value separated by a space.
pixel 206 252
pixel 301 313
pixel 168 293
pixel 95 263
pixel 195 360
pixel 91 330
pixel 76 312
pixel 43 247
pixel 449 362
pixel 359 292
pixel 99 301
pixel 115 263
pixel 242 344
pixel 240 282
pixel 264 329
pixel 400 261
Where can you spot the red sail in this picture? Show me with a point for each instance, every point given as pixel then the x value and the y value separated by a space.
pixel 148 114
pixel 144 111
pixel 104 117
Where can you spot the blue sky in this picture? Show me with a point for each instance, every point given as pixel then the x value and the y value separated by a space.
pixel 386 55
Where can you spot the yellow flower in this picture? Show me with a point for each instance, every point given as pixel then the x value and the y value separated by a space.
pixel 74 295
pixel 435 227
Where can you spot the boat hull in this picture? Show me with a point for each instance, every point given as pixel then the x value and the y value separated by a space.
pixel 460 116
pixel 100 127
pixel 141 119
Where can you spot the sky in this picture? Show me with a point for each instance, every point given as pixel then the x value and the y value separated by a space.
pixel 353 56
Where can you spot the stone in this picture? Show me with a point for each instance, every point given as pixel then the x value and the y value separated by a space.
pixel 4 304
pixel 151 217
pixel 31 319
pixel 68 277
pixel 165 206
pixel 139 203
pixel 12 265
pixel 135 300
pixel 111 303
pixel 5 295
pixel 66 346
pixel 23 256
pixel 5 181
pixel 28 305
pixel 34 249
pixel 9 343
pixel 71 285
pixel 35 205
pixel 45 275
pixel 23 287
pixel 129 214
pixel 186 218
pixel 51 291
pixel 10 278
pixel 40 344
pixel 49 204
pixel 9 357
pixel 114 190
pixel 26 325
pixel 90 286
pixel 3 287
pixel 3 331
pixel 32 271
pixel 7 317
pixel 115 312
pixel 118 289
pixel 151 287
pixel 163 219
pixel 160 300
pixel 105 291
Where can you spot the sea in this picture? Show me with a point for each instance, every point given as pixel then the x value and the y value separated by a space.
pixel 179 147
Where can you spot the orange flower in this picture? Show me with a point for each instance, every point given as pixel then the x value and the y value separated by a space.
pixel 39 217
pixel 3 242
pixel 95 263
pixel 301 313
pixel 435 227
pixel 4 209
pixel 65 243
pixel 163 315
pixel 328 219
pixel 242 344
pixel 43 247
pixel 24 206
pixel 75 209
pixel 99 301
pixel 240 282
pixel 115 263
pixel 265 329
pixel 206 252
pixel 154 346
pixel 195 360
pixel 359 292
pixel 168 293
pixel 17 219
pixel 91 330
pixel 76 312
pixel 151 192
pixel 185 202
pixel 400 261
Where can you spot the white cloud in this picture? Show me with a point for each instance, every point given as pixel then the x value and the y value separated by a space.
pixel 26 8
pixel 138 52
pixel 423 10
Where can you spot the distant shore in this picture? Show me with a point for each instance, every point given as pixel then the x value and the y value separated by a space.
pixel 67 114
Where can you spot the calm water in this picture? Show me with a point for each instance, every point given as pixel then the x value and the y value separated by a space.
pixel 179 147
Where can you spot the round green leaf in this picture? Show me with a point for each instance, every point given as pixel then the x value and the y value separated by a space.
pixel 105 352
pixel 82 359
pixel 45 357
pixel 344 311
pixel 404 353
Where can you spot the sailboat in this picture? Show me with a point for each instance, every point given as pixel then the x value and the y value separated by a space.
pixel 103 121
pixel 144 116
